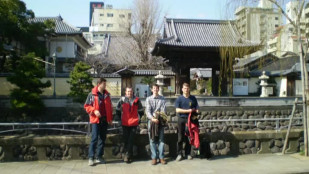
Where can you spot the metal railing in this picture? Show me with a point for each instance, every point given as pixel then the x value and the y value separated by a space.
pixel 241 122
pixel 65 126
pixel 57 126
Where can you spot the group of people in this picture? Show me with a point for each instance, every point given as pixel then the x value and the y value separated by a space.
pixel 129 109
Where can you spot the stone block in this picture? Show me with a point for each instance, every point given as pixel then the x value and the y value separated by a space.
pixel 224 151
pixel 41 150
pixel 242 145
pixel 220 144
pixel 264 147
pixel 275 149
pixel 250 143
pixel 293 144
pixel 278 143
pixel 261 125
pixel 253 150
pixel 247 151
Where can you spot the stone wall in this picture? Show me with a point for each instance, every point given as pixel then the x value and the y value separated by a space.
pixel 223 138
pixel 26 148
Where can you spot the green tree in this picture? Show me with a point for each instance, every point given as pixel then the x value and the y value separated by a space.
pixel 19 34
pixel 147 80
pixel 25 99
pixel 80 81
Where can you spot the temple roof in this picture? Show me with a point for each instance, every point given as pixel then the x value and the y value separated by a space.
pixel 201 33
pixel 61 27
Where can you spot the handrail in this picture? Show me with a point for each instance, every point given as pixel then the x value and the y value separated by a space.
pixel 63 124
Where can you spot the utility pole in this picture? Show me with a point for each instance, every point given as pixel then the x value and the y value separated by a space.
pixel 54 59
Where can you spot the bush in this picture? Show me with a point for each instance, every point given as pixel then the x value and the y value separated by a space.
pixel 202 91
pixel 81 82
pixel 192 85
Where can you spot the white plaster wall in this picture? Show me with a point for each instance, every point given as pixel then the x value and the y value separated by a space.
pixel 283 87
pixel 298 87
pixel 253 87
pixel 67 49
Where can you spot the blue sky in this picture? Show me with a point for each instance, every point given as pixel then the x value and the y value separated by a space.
pixel 76 12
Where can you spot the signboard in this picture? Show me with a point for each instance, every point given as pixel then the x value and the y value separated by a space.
pixel 240 86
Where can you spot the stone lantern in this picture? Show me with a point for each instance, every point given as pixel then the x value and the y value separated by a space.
pixel 160 82
pixel 264 84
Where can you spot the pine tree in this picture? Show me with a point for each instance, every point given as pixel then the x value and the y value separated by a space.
pixel 80 81
pixel 25 99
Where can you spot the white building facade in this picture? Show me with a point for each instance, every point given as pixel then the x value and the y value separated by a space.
pixel 106 20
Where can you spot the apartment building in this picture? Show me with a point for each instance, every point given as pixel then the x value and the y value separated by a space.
pixel 285 38
pixel 258 23
pixel 106 20
pixel 110 20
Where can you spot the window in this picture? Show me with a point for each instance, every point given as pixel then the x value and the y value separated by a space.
pixel 276 18
pixel 101 14
pixel 122 16
pixel 110 15
pixel 276 26
pixel 109 25
pixel 102 25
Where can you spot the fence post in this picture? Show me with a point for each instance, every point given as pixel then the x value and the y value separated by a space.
pixel 277 124
pixel 88 129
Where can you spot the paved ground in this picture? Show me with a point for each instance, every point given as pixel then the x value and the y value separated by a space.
pixel 270 163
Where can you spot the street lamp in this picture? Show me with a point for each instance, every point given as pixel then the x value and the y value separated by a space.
pixel 54 59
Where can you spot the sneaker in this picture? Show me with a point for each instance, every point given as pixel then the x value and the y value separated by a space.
pixel 162 161
pixel 189 157
pixel 179 157
pixel 90 162
pixel 153 161
pixel 125 159
pixel 100 160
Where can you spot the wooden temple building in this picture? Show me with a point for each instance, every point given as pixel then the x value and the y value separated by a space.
pixel 191 43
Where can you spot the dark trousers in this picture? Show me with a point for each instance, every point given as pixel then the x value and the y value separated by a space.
pixel 182 138
pixel 128 139
pixel 98 137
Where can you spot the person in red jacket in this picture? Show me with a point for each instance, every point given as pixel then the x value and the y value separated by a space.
pixel 99 107
pixel 129 109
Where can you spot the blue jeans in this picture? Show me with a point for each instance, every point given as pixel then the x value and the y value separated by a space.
pixel 157 151
pixel 98 137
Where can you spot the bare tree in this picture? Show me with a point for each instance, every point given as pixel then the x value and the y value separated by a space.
pixel 98 64
pixel 144 29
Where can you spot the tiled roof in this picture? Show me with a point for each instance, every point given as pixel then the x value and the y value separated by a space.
pixel 120 50
pixel 110 75
pixel 61 26
pixel 202 33
pixel 245 61
pixel 153 72
pixel 146 72
pixel 282 66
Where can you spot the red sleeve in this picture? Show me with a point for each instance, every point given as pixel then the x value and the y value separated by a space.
pixel 89 108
